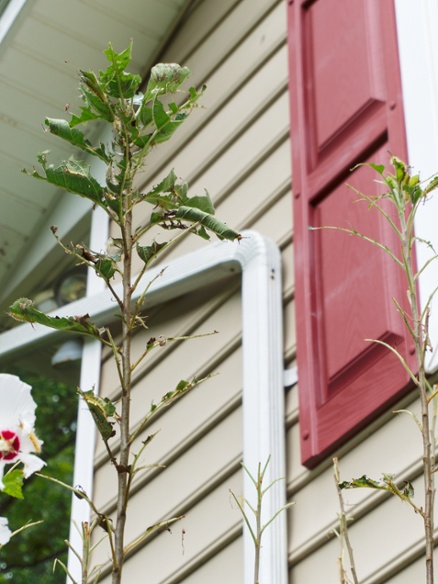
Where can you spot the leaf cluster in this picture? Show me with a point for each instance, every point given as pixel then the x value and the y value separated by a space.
pixel 139 122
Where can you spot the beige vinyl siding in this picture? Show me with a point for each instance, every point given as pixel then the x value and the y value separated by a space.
pixel 387 536
pixel 238 148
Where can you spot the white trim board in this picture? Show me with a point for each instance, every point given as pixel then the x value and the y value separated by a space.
pixel 417 24
pixel 259 261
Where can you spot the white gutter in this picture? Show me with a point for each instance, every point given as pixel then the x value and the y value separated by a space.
pixel 259 261
pixel 8 17
pixel 91 362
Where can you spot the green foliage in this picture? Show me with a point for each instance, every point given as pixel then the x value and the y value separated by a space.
pixel 386 484
pixel 138 123
pixel 405 193
pixel 101 409
pixel 256 531
pixel 29 556
pixel 13 483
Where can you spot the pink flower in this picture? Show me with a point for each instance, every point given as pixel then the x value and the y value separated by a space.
pixel 18 441
pixel 5 532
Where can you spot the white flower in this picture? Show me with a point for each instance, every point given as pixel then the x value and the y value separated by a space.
pixel 5 532
pixel 17 420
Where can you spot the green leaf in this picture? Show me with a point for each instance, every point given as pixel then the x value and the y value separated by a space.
pixel 222 230
pixel 24 310
pixel 165 186
pixel 93 95
pixel 408 490
pixel 13 483
pixel 155 196
pixel 204 203
pixel 414 191
pixel 148 252
pixel 164 123
pixel 116 81
pixel 119 61
pixel 145 115
pixel 75 176
pixel 401 169
pixel 431 186
pixel 380 168
pixel 90 81
pixel 62 129
pixel 105 266
pixel 362 482
pixel 182 385
pixel 124 86
pixel 101 409
pixel 159 115
pixel 85 117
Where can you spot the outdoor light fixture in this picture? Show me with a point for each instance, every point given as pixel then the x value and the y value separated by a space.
pixel 68 353
pixel 71 286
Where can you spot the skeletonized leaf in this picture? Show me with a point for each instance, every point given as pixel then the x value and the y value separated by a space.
pixel 165 78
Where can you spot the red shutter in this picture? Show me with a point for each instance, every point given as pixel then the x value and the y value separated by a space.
pixel 346 108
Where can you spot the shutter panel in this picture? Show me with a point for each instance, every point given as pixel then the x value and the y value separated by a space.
pixel 345 108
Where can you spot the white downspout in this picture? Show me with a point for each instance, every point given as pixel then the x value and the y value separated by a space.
pixel 86 430
pixel 259 261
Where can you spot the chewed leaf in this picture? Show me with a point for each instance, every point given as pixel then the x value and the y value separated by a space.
pixel 24 310
pixel 75 176
pixel 362 482
pixel 71 134
pixel 148 252
pixel 204 203
pixel 101 409
pixel 222 230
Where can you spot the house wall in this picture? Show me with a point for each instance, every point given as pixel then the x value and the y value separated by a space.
pixel 238 148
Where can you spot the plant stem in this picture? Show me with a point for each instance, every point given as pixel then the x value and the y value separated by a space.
pixel 419 335
pixel 343 530
pixel 123 464
pixel 258 525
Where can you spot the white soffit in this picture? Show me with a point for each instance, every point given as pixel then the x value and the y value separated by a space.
pixel 42 45
pixel 417 24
